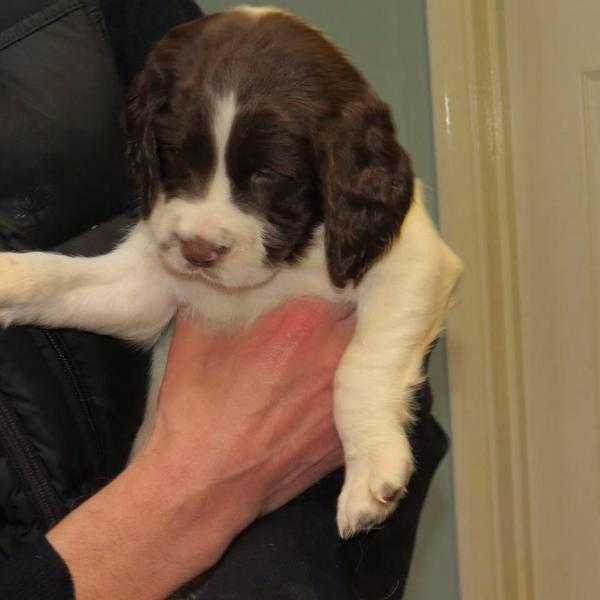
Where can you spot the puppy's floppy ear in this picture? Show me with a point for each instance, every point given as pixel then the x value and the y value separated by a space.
pixel 367 183
pixel 146 97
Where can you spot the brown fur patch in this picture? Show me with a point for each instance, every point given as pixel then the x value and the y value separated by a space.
pixel 325 140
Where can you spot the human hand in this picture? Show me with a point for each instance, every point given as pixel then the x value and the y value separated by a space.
pixel 251 415
pixel 244 424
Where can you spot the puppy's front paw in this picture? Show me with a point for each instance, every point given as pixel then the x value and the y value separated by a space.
pixel 18 285
pixel 22 276
pixel 9 285
pixel 375 481
pixel 13 281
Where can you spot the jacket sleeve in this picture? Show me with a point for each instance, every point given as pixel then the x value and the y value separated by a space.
pixel 36 572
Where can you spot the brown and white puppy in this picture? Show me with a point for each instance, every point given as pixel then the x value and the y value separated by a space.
pixel 266 168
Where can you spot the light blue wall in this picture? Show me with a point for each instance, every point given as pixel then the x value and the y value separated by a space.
pixel 387 40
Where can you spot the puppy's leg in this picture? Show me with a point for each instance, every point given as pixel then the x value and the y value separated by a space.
pixel 122 293
pixel 402 303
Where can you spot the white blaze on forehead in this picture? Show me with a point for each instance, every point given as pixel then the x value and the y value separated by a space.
pixel 224 114
pixel 215 217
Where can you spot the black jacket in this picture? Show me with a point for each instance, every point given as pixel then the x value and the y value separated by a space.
pixel 70 402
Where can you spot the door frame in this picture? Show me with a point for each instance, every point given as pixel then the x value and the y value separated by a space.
pixel 469 82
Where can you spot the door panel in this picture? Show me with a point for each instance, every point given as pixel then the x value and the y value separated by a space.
pixel 554 79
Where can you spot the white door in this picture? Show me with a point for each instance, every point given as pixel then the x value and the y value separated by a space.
pixel 554 100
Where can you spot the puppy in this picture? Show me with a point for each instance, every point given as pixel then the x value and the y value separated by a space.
pixel 266 169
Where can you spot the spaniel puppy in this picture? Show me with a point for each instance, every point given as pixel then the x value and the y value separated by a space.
pixel 266 169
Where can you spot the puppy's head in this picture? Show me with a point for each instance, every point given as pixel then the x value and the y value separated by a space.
pixel 248 129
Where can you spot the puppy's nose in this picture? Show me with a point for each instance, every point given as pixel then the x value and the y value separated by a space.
pixel 202 253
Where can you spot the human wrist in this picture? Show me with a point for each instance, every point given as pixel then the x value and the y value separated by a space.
pixel 199 499
pixel 231 474
pixel 144 535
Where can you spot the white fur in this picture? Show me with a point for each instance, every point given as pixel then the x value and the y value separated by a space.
pixel 401 306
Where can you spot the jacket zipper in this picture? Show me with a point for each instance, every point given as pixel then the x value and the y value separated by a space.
pixel 28 467
pixel 78 388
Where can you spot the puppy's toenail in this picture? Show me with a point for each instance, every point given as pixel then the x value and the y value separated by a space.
pixel 389 493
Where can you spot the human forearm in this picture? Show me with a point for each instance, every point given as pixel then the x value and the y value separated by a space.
pixel 146 533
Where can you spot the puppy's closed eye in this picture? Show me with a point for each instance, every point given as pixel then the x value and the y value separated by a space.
pixel 263 176
pixel 268 177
